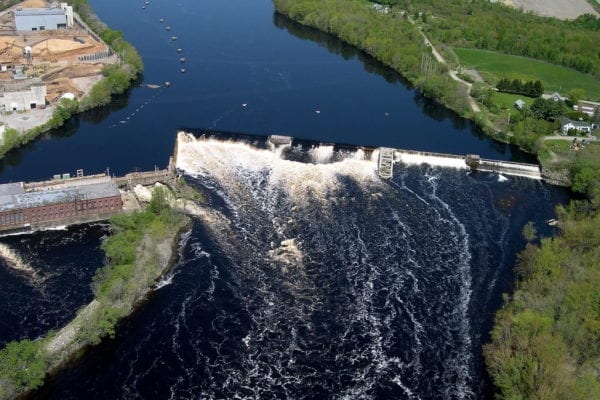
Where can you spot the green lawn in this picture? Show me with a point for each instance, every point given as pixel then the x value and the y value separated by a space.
pixel 507 100
pixel 494 66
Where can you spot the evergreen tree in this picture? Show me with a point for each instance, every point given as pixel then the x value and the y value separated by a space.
pixel 515 86
pixel 539 89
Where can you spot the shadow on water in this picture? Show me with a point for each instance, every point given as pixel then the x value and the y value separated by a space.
pixel 339 47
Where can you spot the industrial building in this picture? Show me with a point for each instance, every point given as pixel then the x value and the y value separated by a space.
pixel 39 19
pixel 22 96
pixel 32 206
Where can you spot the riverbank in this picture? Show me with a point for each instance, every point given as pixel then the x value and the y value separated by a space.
pixel 139 252
pixel 116 79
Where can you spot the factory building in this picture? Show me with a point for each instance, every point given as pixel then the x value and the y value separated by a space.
pixel 31 206
pixel 41 19
pixel 26 97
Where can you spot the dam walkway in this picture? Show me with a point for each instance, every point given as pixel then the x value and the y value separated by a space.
pixel 470 161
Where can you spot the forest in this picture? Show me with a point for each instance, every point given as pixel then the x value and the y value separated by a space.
pixel 482 24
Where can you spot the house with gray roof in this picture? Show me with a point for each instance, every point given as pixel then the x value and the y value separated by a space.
pixel 567 124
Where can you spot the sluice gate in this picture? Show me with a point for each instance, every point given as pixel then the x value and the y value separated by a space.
pixel 385 163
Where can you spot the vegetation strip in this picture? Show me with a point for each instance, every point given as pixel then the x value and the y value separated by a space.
pixel 138 252
pixel 117 79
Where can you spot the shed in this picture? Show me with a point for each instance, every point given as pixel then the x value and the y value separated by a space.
pixel 520 104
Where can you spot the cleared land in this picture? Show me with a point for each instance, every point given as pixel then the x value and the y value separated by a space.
pixel 494 66
pixel 54 55
pixel 562 9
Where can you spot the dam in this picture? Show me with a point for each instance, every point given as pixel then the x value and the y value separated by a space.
pixel 471 162
pixel 66 200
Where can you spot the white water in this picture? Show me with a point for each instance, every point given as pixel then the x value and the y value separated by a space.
pixel 225 161
pixel 270 199
pixel 16 262
pixel 419 159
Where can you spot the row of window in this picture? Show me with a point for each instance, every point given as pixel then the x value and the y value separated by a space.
pixel 46 214
pixel 12 219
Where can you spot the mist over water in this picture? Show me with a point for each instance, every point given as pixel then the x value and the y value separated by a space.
pixel 314 279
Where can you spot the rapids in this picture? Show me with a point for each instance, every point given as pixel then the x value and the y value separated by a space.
pixel 307 277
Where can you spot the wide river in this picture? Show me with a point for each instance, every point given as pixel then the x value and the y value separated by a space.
pixel 308 278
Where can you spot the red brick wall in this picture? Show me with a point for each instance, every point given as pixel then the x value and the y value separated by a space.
pixel 60 211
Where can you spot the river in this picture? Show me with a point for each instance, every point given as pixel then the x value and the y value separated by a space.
pixel 314 279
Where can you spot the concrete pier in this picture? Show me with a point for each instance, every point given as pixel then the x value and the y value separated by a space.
pixel 386 163
pixel 280 139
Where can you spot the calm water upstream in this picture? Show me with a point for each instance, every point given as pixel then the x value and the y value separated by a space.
pixel 309 278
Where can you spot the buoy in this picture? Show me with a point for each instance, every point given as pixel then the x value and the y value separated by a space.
pixel 143 7
pixel 183 70
pixel 168 28
pixel 318 112
pixel 244 104
pixel 162 20
pixel 173 38
pixel 179 50
pixel 147 2
pixel 182 59
pixel 167 84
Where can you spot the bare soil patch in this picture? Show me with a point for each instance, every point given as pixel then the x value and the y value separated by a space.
pixel 34 4
pixel 561 9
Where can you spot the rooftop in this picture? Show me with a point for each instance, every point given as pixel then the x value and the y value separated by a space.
pixel 30 12
pixel 14 197
pixel 566 121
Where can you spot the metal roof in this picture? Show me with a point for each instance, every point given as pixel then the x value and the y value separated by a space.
pixel 34 12
pixel 11 198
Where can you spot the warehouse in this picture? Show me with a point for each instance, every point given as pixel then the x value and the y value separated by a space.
pixel 27 97
pixel 40 19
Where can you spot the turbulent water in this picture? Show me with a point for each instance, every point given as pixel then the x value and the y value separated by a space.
pixel 310 278
pixel 45 277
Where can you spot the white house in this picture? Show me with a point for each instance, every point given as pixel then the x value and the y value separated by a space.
pixel 581 126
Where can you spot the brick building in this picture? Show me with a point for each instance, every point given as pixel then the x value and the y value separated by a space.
pixel 54 203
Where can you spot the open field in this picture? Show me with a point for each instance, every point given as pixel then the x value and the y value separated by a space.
pixel 562 9
pixel 494 66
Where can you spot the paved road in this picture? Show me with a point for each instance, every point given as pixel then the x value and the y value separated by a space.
pixel 570 138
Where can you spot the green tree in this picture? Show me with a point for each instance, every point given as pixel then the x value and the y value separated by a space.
pixel 529 232
pixel 23 364
pixel 575 96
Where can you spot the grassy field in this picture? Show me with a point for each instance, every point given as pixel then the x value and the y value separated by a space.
pixel 494 66
pixel 507 100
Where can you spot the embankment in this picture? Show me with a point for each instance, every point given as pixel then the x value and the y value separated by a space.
pixel 139 252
